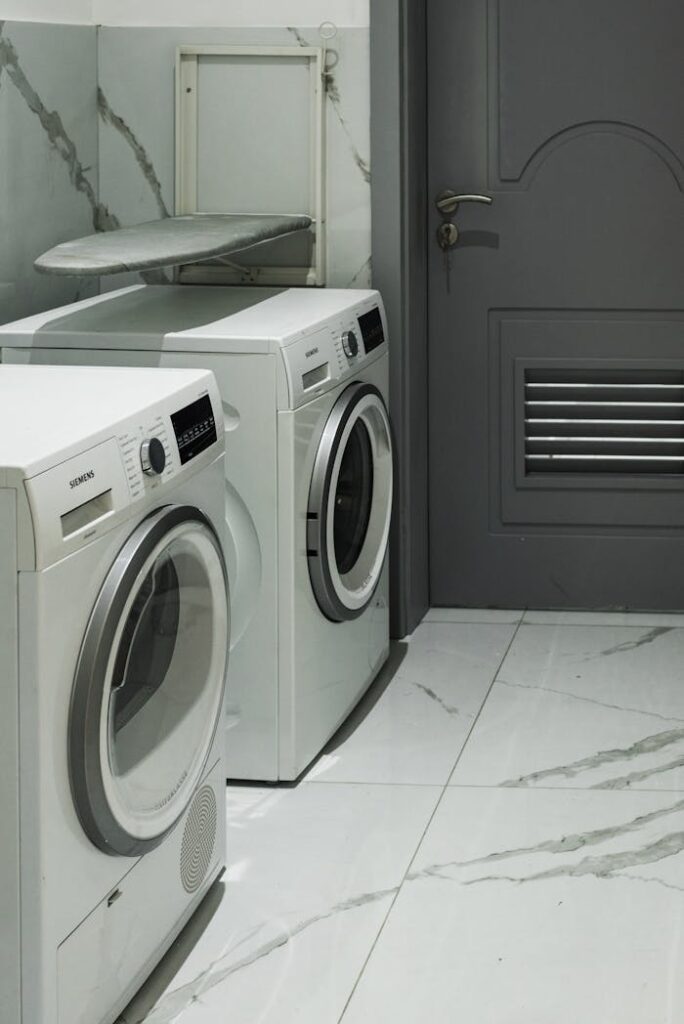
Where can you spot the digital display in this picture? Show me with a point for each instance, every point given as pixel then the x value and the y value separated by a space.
pixel 195 428
pixel 371 329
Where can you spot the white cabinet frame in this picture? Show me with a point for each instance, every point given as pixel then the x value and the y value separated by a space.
pixel 187 67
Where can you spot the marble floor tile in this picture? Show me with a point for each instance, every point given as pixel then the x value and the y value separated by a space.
pixel 413 722
pixel 579 706
pixel 488 615
pixel 531 907
pixel 312 872
pixel 563 618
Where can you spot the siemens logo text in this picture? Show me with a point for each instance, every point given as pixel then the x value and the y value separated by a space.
pixel 82 479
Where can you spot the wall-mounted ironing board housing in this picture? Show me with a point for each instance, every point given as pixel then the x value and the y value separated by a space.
pixel 250 138
pixel 168 243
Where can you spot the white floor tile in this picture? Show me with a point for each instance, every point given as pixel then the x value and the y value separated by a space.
pixel 528 907
pixel 312 872
pixel 583 707
pixel 549 886
pixel 562 618
pixel 487 615
pixel 413 723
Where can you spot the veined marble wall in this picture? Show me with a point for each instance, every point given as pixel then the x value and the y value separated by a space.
pixel 48 158
pixel 52 111
pixel 237 13
pixel 136 104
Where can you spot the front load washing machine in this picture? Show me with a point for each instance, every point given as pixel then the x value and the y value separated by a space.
pixel 303 376
pixel 114 631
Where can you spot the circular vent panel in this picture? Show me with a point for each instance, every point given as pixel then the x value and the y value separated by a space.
pixel 199 838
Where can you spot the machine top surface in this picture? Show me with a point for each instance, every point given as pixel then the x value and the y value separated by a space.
pixel 145 314
pixel 50 412
pixel 321 336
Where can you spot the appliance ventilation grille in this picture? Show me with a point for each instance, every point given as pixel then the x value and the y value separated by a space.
pixel 604 421
pixel 199 838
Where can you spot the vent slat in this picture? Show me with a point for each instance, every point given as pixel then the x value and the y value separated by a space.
pixel 604 384
pixel 564 447
pixel 655 411
pixel 576 439
pixel 653 423
pixel 562 403
pixel 607 458
pixel 565 427
pixel 588 421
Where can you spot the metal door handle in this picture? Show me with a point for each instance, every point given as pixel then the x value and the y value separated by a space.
pixel 447 202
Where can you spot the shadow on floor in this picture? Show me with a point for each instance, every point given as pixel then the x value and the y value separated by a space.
pixel 164 973
pixel 371 697
pixel 355 718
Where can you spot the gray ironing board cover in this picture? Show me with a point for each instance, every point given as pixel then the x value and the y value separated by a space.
pixel 167 243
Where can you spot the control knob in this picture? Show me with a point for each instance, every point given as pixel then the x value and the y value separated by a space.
pixel 152 456
pixel 350 344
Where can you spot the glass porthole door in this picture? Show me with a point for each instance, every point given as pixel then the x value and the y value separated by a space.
pixel 350 503
pixel 148 690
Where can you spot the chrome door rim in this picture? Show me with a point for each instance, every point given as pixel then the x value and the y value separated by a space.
pixel 338 600
pixel 88 785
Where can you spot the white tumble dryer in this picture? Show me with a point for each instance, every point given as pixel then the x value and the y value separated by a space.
pixel 303 376
pixel 114 633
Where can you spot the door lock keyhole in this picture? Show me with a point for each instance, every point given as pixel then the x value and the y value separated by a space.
pixel 447 235
pixel 447 204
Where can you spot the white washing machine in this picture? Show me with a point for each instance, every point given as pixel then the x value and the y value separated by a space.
pixel 114 633
pixel 303 376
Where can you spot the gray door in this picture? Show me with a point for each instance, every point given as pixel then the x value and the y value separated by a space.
pixel 557 346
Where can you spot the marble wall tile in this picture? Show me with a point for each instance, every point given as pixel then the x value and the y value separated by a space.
pixel 136 128
pixel 237 12
pixel 48 158
pixel 55 114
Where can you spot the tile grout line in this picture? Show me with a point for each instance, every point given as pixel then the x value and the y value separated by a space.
pixel 608 625
pixel 572 625
pixel 491 785
pixel 560 789
pixel 445 788
pixel 482 705
pixel 280 788
pixel 512 621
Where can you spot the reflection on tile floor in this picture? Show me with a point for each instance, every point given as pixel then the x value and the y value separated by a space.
pixel 495 837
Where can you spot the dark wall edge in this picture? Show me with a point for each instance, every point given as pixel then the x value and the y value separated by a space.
pixel 399 259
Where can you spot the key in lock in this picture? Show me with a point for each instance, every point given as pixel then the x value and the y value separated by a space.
pixel 447 236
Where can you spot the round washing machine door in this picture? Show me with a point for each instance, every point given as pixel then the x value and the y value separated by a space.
pixel 149 684
pixel 350 503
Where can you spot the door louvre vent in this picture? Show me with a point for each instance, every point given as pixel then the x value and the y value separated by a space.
pixel 629 422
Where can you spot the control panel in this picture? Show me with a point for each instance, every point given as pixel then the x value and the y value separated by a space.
pixel 350 344
pixel 146 453
pixel 152 456
pixel 336 349
pixel 195 428
pixel 372 329
pixel 84 495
